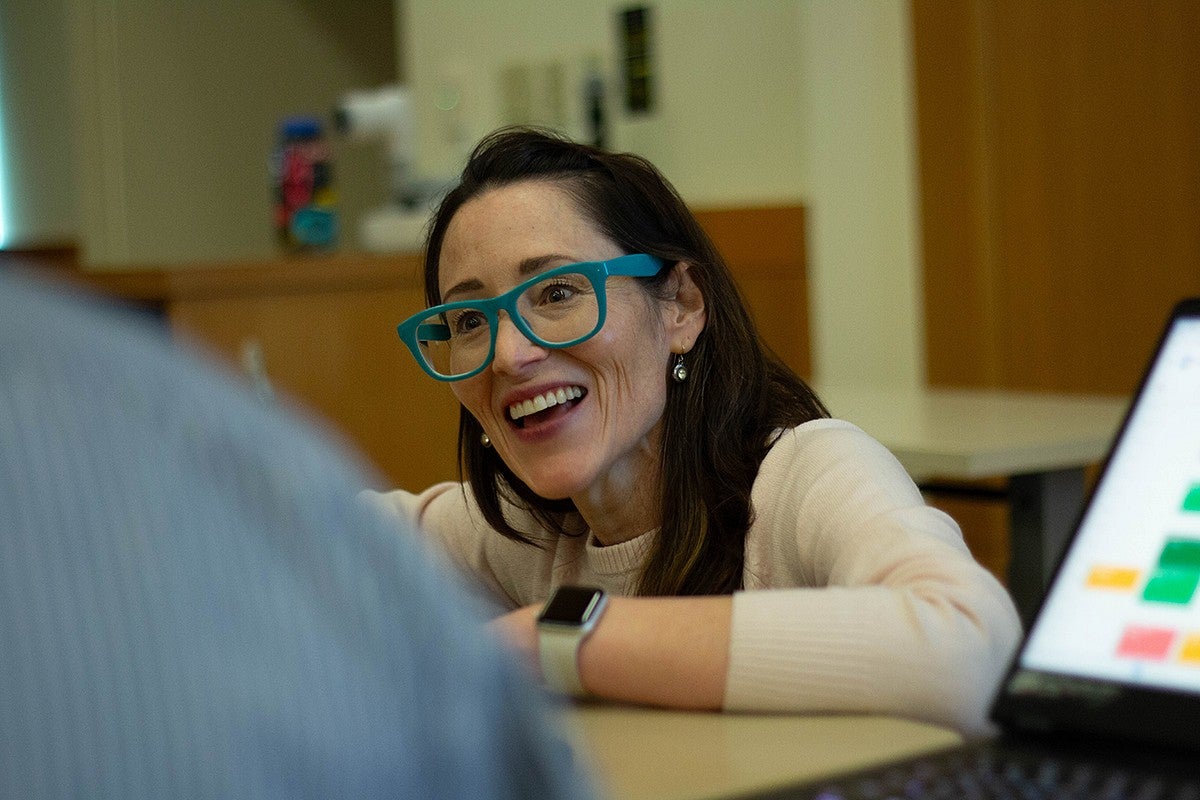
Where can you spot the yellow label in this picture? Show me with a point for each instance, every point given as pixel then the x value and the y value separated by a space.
pixel 1190 653
pixel 1119 578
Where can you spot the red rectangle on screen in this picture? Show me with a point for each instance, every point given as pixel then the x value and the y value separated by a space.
pixel 1143 642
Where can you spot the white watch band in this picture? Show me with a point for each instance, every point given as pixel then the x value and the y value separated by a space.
pixel 567 619
pixel 558 651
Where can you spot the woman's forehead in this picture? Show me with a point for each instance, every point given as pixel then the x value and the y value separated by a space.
pixel 495 232
pixel 520 210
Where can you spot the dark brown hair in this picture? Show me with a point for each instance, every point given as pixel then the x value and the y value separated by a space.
pixel 718 424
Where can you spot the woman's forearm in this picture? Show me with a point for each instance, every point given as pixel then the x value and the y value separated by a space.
pixel 663 651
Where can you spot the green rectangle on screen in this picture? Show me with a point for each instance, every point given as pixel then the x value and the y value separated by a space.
pixel 1180 554
pixel 1171 586
pixel 1192 501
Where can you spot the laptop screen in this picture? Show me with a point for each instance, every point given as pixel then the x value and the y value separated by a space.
pixel 1124 607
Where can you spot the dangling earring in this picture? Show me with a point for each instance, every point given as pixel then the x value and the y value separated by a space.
pixel 485 440
pixel 679 371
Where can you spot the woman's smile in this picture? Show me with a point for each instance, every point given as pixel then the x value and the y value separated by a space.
pixel 547 405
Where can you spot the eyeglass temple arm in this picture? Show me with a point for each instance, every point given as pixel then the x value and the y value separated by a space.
pixel 432 332
pixel 636 265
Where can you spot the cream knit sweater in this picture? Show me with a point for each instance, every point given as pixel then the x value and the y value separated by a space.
pixel 858 597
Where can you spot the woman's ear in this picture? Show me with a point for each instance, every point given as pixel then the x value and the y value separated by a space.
pixel 687 315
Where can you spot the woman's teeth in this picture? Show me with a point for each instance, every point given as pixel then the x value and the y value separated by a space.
pixel 544 401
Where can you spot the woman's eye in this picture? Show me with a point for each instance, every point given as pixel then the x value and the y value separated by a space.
pixel 562 289
pixel 468 321
pixel 558 293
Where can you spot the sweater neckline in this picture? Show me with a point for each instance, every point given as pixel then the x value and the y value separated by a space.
pixel 615 559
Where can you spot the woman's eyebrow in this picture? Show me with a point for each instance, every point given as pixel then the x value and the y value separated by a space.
pixel 528 266
pixel 462 287
pixel 538 263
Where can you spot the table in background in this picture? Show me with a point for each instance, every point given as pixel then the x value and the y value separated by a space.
pixel 1042 443
pixel 657 754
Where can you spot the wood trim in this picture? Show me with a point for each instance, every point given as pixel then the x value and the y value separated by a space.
pixel 760 240
pixel 289 275
pixel 58 257
pixel 953 140
pixel 766 250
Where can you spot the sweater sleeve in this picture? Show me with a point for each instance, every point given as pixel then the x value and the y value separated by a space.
pixel 860 598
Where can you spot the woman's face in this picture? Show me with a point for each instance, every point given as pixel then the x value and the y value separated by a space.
pixel 606 438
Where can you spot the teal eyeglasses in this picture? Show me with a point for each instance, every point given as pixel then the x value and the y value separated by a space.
pixel 558 308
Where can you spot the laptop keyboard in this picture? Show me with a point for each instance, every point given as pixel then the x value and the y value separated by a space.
pixel 985 774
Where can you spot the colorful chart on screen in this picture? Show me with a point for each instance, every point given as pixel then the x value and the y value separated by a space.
pixel 1126 603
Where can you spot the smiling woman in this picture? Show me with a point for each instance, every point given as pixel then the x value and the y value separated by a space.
pixel 640 469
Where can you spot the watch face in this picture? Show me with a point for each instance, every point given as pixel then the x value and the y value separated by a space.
pixel 571 605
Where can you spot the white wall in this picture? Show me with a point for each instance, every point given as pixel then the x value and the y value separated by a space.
pixel 707 52
pixel 36 164
pixel 760 101
pixel 862 192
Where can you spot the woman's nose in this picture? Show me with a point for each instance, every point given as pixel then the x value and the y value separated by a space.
pixel 514 351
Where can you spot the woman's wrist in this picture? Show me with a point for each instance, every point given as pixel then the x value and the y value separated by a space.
pixel 664 651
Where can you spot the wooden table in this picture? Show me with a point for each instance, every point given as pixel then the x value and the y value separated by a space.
pixel 655 754
pixel 1042 443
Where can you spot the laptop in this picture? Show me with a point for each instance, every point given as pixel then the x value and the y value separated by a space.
pixel 1102 699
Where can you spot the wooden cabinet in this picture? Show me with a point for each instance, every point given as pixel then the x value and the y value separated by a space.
pixel 765 248
pixel 323 329
pixel 1060 186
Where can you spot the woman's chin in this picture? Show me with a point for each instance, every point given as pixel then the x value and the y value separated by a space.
pixel 553 487
pixel 552 492
pixel 555 473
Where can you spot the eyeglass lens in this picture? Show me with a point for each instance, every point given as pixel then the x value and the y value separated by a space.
pixel 559 310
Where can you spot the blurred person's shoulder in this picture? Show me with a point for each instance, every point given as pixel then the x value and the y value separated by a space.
pixel 202 557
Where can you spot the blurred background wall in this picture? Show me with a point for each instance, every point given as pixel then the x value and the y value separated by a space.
pixel 996 193
pixel 141 130
pixel 172 110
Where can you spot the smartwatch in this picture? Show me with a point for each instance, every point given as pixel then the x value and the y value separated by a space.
pixel 568 617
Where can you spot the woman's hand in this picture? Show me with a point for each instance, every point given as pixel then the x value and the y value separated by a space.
pixel 663 651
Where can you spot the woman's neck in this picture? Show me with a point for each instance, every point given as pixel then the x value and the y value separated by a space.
pixel 618 510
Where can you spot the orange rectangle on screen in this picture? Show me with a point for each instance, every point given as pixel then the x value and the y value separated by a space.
pixel 1122 578
pixel 1190 652
pixel 1144 642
